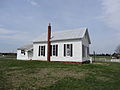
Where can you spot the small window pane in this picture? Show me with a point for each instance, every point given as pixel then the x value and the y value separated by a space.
pixel 56 50
pixel 68 50
pixel 23 52
pixel 53 50
pixel 44 51
pixel 39 51
pixel 71 50
pixel 50 50
pixel 64 49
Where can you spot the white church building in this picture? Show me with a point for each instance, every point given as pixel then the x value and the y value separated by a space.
pixel 66 46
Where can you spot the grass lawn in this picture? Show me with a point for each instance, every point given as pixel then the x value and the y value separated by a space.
pixel 38 75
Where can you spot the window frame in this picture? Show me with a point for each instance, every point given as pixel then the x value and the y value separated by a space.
pixel 68 50
pixel 41 50
pixel 54 50
pixel 23 52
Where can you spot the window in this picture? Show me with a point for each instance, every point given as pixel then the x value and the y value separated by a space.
pixel 50 50
pixel 64 49
pixel 87 51
pixel 54 50
pixel 41 51
pixel 68 49
pixel 83 51
pixel 23 52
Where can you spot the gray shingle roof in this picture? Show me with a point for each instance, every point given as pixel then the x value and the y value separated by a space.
pixel 63 35
pixel 26 47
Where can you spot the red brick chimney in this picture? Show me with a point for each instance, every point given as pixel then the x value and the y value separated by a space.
pixel 49 36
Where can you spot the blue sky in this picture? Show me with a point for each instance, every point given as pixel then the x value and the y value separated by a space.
pixel 21 21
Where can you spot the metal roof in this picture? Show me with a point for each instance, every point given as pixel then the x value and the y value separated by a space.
pixel 63 35
pixel 26 47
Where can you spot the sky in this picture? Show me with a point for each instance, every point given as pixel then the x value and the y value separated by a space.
pixel 21 21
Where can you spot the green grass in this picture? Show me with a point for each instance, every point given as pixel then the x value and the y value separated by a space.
pixel 38 75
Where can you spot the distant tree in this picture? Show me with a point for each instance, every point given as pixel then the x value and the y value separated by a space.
pixel 108 54
pixel 117 52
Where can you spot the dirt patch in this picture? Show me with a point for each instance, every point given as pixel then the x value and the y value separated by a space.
pixel 15 71
pixel 61 73
pixel 101 78
pixel 13 68
pixel 42 77
pixel 107 64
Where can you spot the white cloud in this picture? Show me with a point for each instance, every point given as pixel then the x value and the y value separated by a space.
pixel 111 13
pixel 5 31
pixel 14 35
pixel 32 2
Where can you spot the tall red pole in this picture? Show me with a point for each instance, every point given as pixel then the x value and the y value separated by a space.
pixel 49 36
